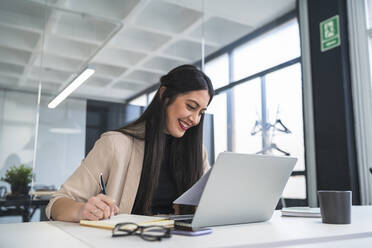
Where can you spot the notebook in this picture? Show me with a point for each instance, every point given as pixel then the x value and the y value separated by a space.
pixel 301 212
pixel 240 188
pixel 120 218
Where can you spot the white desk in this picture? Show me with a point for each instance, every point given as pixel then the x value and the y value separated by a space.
pixel 278 232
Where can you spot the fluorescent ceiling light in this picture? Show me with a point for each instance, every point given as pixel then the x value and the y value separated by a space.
pixel 63 130
pixel 79 80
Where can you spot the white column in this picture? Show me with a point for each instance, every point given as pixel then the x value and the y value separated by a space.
pixel 308 104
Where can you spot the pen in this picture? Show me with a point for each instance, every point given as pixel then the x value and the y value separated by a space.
pixel 103 186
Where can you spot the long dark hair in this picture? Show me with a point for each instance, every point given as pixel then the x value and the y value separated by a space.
pixel 185 156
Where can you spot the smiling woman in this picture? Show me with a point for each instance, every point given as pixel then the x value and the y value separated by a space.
pixel 148 163
pixel 186 112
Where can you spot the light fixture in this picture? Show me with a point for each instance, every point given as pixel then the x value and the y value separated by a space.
pixel 69 128
pixel 79 80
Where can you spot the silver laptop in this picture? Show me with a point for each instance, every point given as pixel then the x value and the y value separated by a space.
pixel 242 188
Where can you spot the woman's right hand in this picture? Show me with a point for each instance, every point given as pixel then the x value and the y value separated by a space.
pixel 98 207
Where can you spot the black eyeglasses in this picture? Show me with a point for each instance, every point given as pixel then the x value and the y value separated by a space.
pixel 149 233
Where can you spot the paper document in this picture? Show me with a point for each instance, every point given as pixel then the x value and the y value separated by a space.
pixel 301 212
pixel 142 220
pixel 193 194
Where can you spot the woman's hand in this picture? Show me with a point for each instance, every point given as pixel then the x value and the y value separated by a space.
pixel 98 207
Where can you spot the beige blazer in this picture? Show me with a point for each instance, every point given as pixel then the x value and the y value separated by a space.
pixel 119 157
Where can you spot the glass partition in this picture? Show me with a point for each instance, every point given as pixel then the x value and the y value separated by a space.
pixel 21 27
pixel 72 41
pixel 46 45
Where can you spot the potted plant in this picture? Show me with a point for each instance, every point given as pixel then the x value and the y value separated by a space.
pixel 19 178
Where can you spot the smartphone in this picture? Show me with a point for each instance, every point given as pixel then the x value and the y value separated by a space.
pixel 184 225
pixel 201 231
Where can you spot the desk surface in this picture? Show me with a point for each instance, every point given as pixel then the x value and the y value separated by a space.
pixel 277 232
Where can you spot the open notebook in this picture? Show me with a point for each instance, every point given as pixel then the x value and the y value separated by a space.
pixel 138 219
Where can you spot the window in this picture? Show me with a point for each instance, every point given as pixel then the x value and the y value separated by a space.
pixel 267 108
pixel 151 96
pixel 284 103
pixel 139 101
pixel 273 48
pixel 247 112
pixel 218 71
pixel 295 188
pixel 369 15
pixel 218 108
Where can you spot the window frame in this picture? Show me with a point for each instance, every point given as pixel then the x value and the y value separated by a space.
pixel 228 88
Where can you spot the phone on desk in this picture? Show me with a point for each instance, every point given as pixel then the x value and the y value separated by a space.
pixel 183 227
pixel 198 232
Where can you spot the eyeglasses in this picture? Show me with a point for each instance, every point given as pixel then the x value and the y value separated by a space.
pixel 149 233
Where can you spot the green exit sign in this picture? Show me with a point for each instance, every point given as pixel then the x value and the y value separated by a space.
pixel 330 33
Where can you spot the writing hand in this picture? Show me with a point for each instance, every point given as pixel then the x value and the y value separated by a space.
pixel 98 207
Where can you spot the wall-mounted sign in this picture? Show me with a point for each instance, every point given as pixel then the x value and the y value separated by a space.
pixel 330 33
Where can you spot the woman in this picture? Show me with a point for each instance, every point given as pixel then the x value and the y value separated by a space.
pixel 147 164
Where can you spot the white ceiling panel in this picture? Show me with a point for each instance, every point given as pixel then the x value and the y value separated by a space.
pixel 21 14
pixel 119 57
pixel 15 38
pixel 47 86
pixel 98 81
pixel 155 36
pixel 83 28
pixel 8 81
pixel 100 93
pixel 167 17
pixel 58 62
pixel 26 8
pixel 68 48
pixel 162 64
pixel 14 56
pixel 130 86
pixel 51 75
pixel 137 39
pixel 115 9
pixel 214 26
pixel 108 70
pixel 11 69
pixel 254 13
pixel 143 76
pixel 189 50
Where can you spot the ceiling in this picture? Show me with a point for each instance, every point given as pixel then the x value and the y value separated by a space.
pixel 129 43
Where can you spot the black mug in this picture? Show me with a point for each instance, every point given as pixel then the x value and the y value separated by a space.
pixel 335 206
